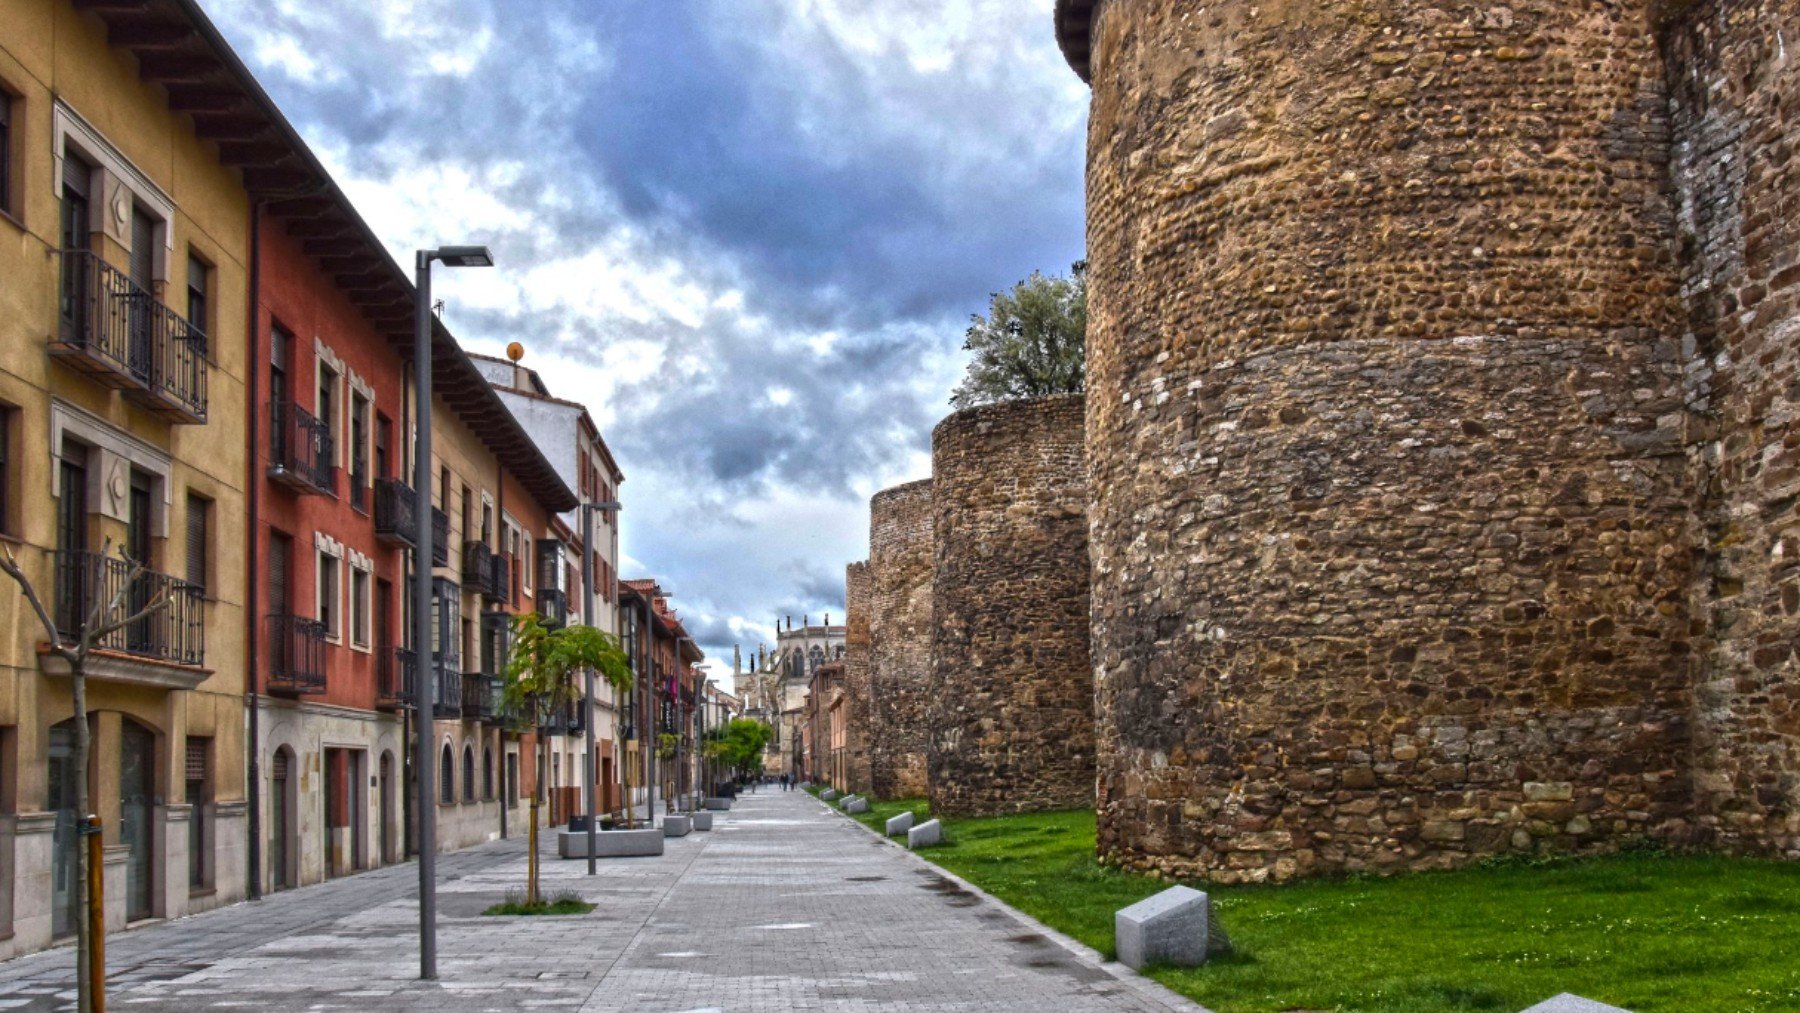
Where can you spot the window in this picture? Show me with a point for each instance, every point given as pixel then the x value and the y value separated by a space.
pixel 512 779
pixel 359 450
pixel 199 283
pixel 327 402
pixel 328 596
pixel 7 482
pixel 444 489
pixel 468 792
pixel 359 607
pixel 446 776
pixel 199 796
pixel 525 559
pixel 7 104
pixel 384 435
pixel 198 510
pixel 487 773
pixel 464 516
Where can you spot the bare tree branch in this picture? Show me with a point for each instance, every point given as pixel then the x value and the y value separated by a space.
pixel 10 566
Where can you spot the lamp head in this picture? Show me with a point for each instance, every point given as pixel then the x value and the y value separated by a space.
pixel 465 256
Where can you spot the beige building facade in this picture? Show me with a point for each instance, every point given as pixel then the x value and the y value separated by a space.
pixel 123 248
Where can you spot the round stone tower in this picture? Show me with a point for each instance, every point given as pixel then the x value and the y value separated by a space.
pixel 1385 432
pixel 899 637
pixel 1012 692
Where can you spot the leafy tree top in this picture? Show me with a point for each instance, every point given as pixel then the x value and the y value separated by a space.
pixel 1032 342
pixel 542 663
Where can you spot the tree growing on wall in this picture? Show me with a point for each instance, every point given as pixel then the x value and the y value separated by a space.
pixel 105 615
pixel 1031 343
pixel 540 679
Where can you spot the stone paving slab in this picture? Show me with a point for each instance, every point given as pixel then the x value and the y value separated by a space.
pixel 784 906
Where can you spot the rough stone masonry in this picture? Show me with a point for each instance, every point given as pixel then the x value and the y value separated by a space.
pixel 900 551
pixel 1440 362
pixel 1011 707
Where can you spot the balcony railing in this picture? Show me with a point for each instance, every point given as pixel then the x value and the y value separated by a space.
pixel 554 607
pixel 480 696
pixel 300 450
pixel 396 693
pixel 120 335
pixel 296 655
pixel 478 569
pixel 394 511
pixel 174 632
pixel 570 719
pixel 394 678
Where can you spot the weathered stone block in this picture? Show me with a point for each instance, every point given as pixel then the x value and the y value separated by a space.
pixel 899 824
pixel 1175 927
pixel 828 795
pixel 703 820
pixel 925 835
pixel 856 806
pixel 677 826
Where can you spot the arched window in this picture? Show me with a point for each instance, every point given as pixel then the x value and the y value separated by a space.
pixel 446 776
pixel 468 773
pixel 487 772
pixel 815 658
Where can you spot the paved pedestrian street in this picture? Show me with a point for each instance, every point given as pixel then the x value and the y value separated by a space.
pixel 784 906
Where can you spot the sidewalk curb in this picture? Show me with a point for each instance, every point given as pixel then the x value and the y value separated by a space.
pixel 1148 989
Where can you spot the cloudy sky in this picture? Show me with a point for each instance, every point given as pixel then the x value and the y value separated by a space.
pixel 748 234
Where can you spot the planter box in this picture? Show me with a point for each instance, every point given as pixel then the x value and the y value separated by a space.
pixel 718 804
pixel 677 826
pixel 703 821
pixel 611 843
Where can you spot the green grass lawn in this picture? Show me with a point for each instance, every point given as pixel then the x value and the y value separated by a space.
pixel 1645 931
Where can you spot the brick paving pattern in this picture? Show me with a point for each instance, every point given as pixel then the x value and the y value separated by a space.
pixel 785 906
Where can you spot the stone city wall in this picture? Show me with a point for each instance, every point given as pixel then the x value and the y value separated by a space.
pixel 856 675
pixel 899 637
pixel 1390 525
pixel 1012 693
pixel 1735 96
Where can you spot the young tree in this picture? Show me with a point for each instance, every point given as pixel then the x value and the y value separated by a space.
pixel 739 745
pixel 1031 343
pixel 540 678
pixel 102 617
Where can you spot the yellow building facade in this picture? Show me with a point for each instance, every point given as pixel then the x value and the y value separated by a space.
pixel 123 285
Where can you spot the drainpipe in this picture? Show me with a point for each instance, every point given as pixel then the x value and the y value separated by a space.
pixel 252 593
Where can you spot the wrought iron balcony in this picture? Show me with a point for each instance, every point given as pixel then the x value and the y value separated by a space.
pixel 569 719
pixel 300 450
pixel 123 337
pixel 503 578
pixel 478 569
pixel 480 696
pixel 296 655
pixel 394 678
pixel 173 632
pixel 395 510
pixel 553 606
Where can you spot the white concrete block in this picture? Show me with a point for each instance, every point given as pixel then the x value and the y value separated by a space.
pixel 703 820
pixel 1175 927
pixel 1570 1003
pixel 610 843
pixel 900 824
pixel 677 826
pixel 856 805
pixel 925 834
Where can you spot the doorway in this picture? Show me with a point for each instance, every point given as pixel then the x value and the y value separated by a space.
pixel 281 801
pixel 385 829
pixel 62 841
pixel 137 801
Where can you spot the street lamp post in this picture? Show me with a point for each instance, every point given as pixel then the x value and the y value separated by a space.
pixel 424 664
pixel 587 613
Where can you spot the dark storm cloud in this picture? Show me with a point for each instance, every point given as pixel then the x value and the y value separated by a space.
pixel 840 201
